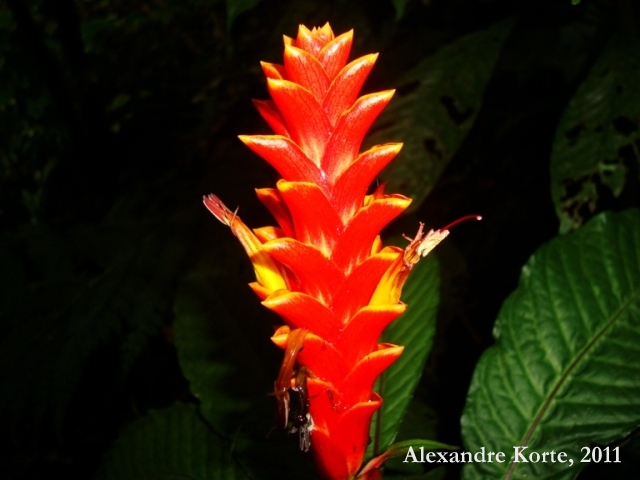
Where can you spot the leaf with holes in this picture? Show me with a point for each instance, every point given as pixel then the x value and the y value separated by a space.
pixel 415 330
pixel 435 107
pixel 597 143
pixel 565 372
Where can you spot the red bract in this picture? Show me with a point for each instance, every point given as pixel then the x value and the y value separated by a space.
pixel 324 270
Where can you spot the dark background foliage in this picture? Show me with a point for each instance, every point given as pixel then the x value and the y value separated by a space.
pixel 116 117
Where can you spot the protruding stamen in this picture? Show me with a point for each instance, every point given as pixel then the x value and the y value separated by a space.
pixel 267 270
pixel 460 220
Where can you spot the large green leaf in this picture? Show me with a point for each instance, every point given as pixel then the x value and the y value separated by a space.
pixel 434 108
pixel 223 372
pixel 414 330
pixel 218 319
pixel 599 132
pixel 170 444
pixel 565 372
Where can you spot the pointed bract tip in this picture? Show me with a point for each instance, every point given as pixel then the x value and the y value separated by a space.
pixel 326 32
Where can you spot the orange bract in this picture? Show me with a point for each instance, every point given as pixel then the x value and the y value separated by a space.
pixel 324 270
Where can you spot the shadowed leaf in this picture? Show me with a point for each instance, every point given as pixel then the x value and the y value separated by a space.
pixel 217 320
pixel 599 132
pixel 434 108
pixel 71 291
pixel 169 444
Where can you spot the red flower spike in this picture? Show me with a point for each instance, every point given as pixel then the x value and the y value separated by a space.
pixel 266 234
pixel 352 184
pixel 271 199
pixel 285 156
pixel 304 69
pixel 319 226
pixel 271 115
pixel 350 130
pixel 361 334
pixel 318 275
pixel 359 286
pixel 299 310
pixel 334 55
pixel 323 268
pixel 306 120
pixel 355 242
pixel 345 87
pixel 272 70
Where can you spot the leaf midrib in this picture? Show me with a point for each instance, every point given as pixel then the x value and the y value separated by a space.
pixel 583 353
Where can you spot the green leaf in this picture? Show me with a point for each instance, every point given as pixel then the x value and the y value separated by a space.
pixel 236 7
pixel 434 108
pixel 598 132
pixel 223 372
pixel 169 444
pixel 565 372
pixel 414 330
pixel 218 319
